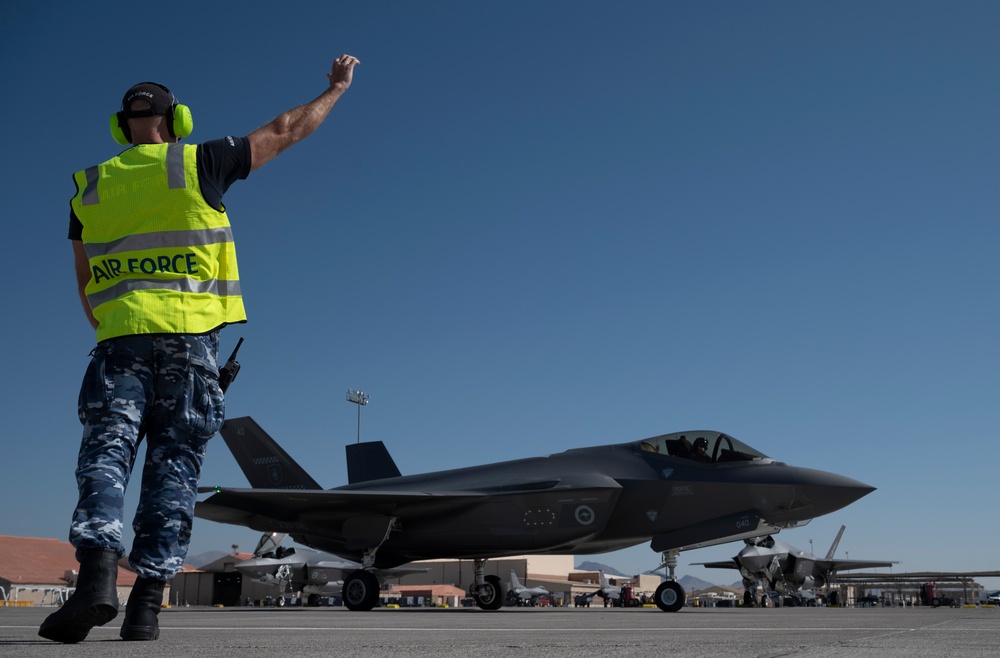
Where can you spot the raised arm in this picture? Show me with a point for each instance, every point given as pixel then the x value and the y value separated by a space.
pixel 268 141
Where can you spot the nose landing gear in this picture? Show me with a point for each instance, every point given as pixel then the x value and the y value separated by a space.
pixel 669 596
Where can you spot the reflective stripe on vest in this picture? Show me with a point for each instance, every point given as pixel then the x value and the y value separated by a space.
pixel 90 196
pixel 160 240
pixel 175 166
pixel 210 287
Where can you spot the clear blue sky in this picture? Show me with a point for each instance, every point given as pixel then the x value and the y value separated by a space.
pixel 533 226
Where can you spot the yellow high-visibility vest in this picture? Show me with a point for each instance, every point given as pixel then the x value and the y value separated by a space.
pixel 161 259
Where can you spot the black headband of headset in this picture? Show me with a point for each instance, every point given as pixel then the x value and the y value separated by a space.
pixel 160 100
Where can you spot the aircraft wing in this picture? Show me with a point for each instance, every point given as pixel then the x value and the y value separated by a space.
pixel 238 506
pixel 846 565
pixel 344 565
pixel 726 564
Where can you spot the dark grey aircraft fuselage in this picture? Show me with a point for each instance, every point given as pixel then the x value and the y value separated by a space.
pixel 582 501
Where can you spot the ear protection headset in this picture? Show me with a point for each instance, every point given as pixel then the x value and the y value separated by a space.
pixel 179 121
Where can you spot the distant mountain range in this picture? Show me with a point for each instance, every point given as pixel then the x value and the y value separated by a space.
pixel 691 583
pixel 590 565
pixel 208 557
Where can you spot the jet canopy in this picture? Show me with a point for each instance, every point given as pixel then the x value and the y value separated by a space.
pixel 718 447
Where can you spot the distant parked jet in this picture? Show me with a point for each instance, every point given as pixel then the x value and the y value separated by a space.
pixel 786 569
pixel 314 574
pixel 525 594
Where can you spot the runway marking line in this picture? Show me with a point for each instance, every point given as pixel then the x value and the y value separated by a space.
pixel 693 629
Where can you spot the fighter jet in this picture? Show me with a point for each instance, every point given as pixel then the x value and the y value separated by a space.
pixel 582 501
pixel 310 572
pixel 299 570
pixel 525 594
pixel 786 569
pixel 607 591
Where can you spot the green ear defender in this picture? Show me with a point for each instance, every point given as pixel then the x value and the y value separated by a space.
pixel 117 132
pixel 181 124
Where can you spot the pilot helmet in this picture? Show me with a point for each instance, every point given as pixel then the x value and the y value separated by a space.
pixel 701 442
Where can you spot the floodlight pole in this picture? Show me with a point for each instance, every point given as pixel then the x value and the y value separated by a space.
pixel 359 398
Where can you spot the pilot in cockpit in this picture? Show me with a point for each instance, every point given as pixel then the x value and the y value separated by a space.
pixel 699 450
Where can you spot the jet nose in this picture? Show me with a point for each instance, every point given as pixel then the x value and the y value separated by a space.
pixel 818 493
pixel 829 492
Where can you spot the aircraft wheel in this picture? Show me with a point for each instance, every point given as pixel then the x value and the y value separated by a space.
pixel 360 591
pixel 313 601
pixel 490 596
pixel 748 599
pixel 669 596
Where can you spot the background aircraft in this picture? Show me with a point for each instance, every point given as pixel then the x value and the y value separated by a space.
pixel 582 501
pixel 788 570
pixel 299 570
pixel 607 591
pixel 525 594
pixel 310 572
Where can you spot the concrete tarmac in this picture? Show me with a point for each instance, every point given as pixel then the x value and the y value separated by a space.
pixel 577 632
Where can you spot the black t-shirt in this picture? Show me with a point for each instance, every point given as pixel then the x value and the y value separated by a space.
pixel 221 162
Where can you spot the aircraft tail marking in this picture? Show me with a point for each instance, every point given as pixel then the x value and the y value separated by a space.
pixel 264 462
pixel 836 542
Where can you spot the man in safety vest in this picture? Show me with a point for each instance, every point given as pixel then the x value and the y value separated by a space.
pixel 157 275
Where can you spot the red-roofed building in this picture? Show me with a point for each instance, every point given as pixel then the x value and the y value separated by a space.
pixel 38 571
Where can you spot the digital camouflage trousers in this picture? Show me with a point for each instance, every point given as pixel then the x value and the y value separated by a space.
pixel 163 389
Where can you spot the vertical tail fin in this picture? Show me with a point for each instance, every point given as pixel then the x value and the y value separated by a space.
pixel 263 461
pixel 515 584
pixel 369 461
pixel 836 542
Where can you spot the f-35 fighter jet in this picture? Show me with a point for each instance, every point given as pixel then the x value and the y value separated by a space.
pixel 784 568
pixel 314 574
pixel 582 501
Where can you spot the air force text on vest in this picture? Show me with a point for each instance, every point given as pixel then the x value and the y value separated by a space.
pixel 112 268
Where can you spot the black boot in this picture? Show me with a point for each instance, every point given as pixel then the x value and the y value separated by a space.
pixel 140 612
pixel 94 603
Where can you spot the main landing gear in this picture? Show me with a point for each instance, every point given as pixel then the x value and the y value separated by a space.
pixel 361 590
pixel 361 587
pixel 669 596
pixel 486 590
